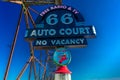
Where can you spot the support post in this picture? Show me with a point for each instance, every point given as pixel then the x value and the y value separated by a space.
pixel 34 69
pixel 30 71
pixel 13 46
pixel 24 68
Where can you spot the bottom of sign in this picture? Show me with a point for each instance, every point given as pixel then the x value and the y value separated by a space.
pixel 54 47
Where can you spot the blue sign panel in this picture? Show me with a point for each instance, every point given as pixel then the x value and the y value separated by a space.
pixel 61 32
pixel 61 42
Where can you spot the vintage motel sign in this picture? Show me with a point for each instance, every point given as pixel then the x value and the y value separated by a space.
pixel 60 25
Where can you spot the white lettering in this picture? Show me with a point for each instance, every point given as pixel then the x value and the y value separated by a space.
pixel 26 33
pixel 68 42
pixel 41 42
pixel 40 33
pixel 63 42
pixel 82 40
pixel 58 42
pixel 69 8
pixel 82 30
pixel 68 31
pixel 61 32
pixel 75 31
pixel 78 41
pixel 87 30
pixel 53 42
pixel 52 32
pixel 58 6
pixel 33 33
pixel 72 41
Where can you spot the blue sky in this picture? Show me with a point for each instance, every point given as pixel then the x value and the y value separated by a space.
pixel 100 59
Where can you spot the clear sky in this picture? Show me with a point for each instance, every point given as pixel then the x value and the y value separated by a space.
pixel 100 59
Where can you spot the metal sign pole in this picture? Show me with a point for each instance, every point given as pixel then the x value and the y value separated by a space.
pixel 13 46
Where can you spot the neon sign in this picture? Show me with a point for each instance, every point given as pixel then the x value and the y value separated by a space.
pixel 60 25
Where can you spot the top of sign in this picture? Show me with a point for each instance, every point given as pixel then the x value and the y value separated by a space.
pixel 56 7
pixel 32 2
pixel 59 15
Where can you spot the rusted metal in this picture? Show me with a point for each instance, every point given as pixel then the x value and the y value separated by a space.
pixel 39 2
pixel 17 2
pixel 25 6
pixel 44 72
pixel 39 71
pixel 26 18
pixel 31 47
pixel 32 2
pixel 33 10
pixel 58 2
pixel 13 46
pixel 31 19
pixel 30 72
pixel 39 62
pixel 34 69
pixel 24 68
pixel 33 60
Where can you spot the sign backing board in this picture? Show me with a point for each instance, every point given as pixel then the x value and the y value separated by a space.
pixel 61 32
pixel 57 25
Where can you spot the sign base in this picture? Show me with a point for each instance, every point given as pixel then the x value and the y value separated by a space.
pixel 63 70
pixel 62 76
pixel 62 73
